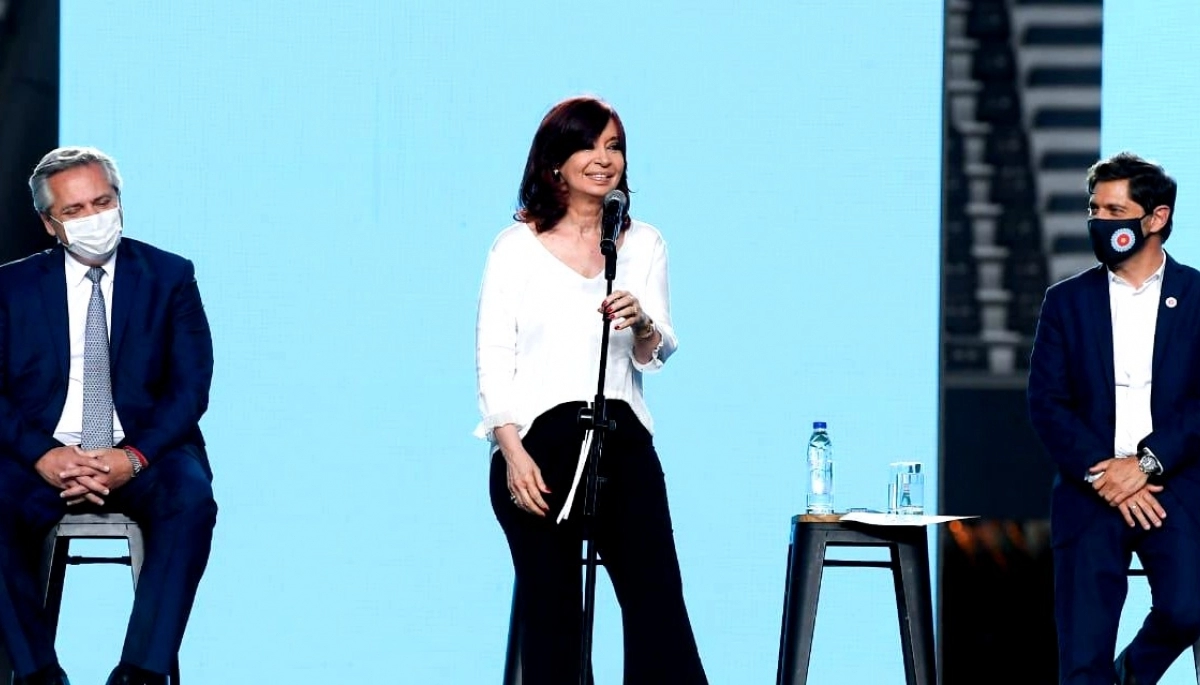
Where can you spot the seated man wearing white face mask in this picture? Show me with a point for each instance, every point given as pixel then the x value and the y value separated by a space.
pixel 105 365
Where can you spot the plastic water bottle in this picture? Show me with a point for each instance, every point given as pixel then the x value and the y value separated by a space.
pixel 820 471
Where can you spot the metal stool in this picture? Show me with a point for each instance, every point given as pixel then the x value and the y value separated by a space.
pixel 56 558
pixel 1136 572
pixel 909 547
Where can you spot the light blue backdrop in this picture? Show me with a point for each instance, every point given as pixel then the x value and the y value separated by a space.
pixel 337 172
pixel 1150 99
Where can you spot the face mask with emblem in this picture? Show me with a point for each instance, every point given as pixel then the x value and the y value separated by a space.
pixel 1116 240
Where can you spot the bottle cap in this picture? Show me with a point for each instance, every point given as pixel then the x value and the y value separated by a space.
pixel 818 424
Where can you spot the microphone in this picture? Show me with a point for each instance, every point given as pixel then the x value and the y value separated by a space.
pixel 614 216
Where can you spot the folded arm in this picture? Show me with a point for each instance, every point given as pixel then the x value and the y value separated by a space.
pixel 1175 440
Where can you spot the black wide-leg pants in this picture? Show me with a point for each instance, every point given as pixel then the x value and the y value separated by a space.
pixel 635 541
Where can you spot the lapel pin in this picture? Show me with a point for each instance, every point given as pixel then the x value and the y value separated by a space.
pixel 1171 302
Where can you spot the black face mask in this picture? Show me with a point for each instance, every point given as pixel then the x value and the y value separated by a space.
pixel 1115 240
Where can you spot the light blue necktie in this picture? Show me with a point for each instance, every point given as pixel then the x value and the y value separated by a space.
pixel 97 381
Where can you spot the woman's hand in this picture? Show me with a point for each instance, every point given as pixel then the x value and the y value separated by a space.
pixel 625 308
pixel 525 484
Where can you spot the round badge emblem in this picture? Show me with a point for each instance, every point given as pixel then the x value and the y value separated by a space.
pixel 1122 240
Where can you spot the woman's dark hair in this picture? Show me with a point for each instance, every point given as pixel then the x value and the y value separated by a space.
pixel 570 126
pixel 1149 184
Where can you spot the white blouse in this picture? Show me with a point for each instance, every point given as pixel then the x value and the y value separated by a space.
pixel 538 330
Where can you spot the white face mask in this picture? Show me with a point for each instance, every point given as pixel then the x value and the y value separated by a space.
pixel 94 237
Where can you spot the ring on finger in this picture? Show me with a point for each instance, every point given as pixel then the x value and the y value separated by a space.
pixel 1133 506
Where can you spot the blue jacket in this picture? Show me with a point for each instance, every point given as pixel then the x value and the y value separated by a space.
pixel 1072 397
pixel 161 352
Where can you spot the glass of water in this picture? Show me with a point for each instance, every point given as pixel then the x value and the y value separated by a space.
pixel 906 489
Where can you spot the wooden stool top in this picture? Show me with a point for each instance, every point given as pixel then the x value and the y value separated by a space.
pixel 821 518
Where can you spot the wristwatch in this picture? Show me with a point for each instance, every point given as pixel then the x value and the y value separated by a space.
pixel 134 462
pixel 1148 463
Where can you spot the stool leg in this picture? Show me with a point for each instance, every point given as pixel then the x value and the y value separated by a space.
pixel 54 574
pixel 805 567
pixel 1196 659
pixel 137 552
pixel 512 659
pixel 910 572
pixel 783 628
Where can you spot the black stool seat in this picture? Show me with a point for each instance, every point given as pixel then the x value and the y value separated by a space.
pixel 812 536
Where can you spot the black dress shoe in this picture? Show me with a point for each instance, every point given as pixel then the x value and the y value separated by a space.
pixel 50 675
pixel 126 674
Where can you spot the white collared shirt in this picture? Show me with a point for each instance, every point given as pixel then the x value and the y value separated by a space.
pixel 1134 316
pixel 79 292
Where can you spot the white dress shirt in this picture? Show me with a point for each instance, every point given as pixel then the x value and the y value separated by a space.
pixel 538 331
pixel 1134 316
pixel 79 292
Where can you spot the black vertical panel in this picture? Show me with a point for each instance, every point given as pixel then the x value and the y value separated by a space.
pixel 1003 156
pixel 29 64
pixel 994 466
pixel 996 571
pixel 28 126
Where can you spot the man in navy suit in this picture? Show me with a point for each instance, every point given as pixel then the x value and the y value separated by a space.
pixel 105 366
pixel 1114 395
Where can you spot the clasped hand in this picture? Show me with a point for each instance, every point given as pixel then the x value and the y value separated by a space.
pixel 85 475
pixel 1124 486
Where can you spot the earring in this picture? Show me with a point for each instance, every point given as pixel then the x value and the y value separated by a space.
pixel 557 175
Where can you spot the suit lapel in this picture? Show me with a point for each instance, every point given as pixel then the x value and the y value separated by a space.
pixel 125 289
pixel 1168 301
pixel 1099 312
pixel 54 304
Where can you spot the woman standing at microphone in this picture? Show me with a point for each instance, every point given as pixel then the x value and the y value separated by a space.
pixel 538 341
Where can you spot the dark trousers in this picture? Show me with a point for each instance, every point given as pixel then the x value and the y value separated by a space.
pixel 1090 584
pixel 172 501
pixel 634 537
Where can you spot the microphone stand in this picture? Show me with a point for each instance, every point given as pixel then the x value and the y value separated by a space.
pixel 596 419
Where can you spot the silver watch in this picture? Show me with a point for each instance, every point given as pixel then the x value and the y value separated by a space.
pixel 1148 463
pixel 133 461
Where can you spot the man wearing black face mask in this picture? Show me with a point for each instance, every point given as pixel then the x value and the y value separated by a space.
pixel 1114 395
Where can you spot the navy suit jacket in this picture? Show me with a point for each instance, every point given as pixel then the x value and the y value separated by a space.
pixel 1072 396
pixel 160 355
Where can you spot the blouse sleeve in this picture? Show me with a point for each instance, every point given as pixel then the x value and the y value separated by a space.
pixel 656 302
pixel 496 343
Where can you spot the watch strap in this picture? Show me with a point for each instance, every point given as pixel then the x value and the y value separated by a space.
pixel 134 462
